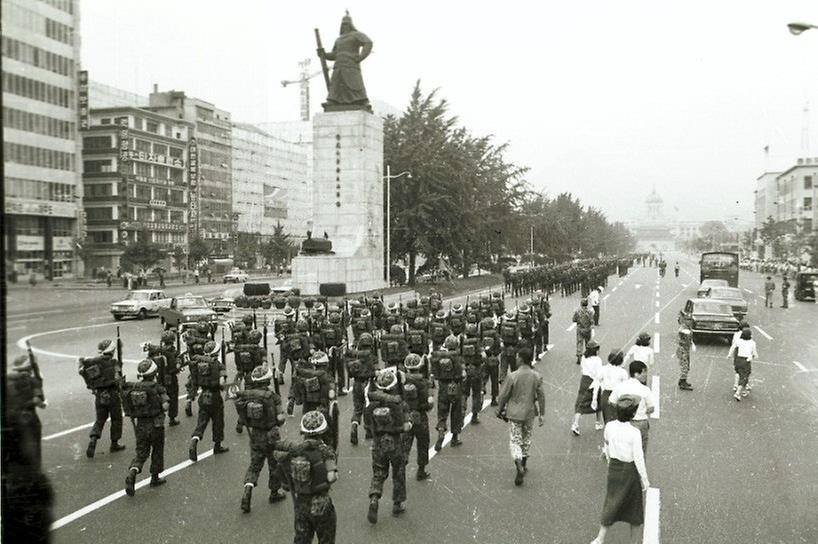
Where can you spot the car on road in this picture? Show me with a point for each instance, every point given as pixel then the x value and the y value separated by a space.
pixel 733 297
pixel 185 311
pixel 223 304
pixel 805 283
pixel 140 304
pixel 706 316
pixel 707 284
pixel 236 275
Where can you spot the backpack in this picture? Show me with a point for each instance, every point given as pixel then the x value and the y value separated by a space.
pixel 142 400
pixel 207 372
pixel 308 473
pixel 391 346
pixel 470 347
pixel 438 331
pixel 387 417
pixel 416 338
pixel 98 372
pixel 508 330
pixel 258 408
pixel 584 320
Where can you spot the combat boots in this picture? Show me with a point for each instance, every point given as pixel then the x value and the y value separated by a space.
pixel 173 422
pixel 92 447
pixel 156 481
pixel 116 446
pixel 439 442
pixel 518 479
pixel 422 474
pixel 398 508
pixel 456 440
pixel 277 495
pixel 475 418
pixel 239 427
pixel 191 450
pixel 372 514
pixel 246 497
pixel 218 448
pixel 525 464
pixel 685 386
pixel 353 434
pixel 130 482
pixel 189 409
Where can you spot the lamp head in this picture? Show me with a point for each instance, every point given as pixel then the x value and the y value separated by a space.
pixel 798 28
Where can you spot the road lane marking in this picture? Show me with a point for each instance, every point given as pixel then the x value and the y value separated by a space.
pixel 656 342
pixel 606 297
pixel 763 332
pixel 801 367
pixel 657 304
pixel 657 397
pixel 448 438
pixel 637 286
pixel 27 320
pixel 747 290
pixel 651 530
pixel 63 521
pixel 572 327
pixel 43 312
pixel 614 289
pixel 656 318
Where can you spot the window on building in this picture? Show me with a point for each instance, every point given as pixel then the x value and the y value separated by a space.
pixel 177 217
pixel 176 152
pixel 177 197
pixel 97 142
pixel 144 214
pixel 160 172
pixel 160 149
pixel 807 204
pixel 99 214
pixel 95 167
pixel 143 169
pixel 143 192
pixel 807 182
pixel 99 189
pixel 63 226
pixel 152 126
pixel 142 145
pixel 138 123
pixel 105 121
pixel 176 175
pixel 160 193
pixel 101 236
pixel 27 225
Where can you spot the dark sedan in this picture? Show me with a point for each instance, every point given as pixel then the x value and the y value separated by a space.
pixel 704 316
pixel 733 297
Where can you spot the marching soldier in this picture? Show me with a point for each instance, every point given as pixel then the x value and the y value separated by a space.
pixel 195 339
pixel 284 329
pixel 393 346
pixel 418 401
pixel 145 403
pixel 390 419
pixel 319 387
pixel 457 320
pixel 309 469
pixel 248 355
pixel 510 337
pixel 447 368
pixel 170 380
pixel 584 319
pixel 207 373
pixel 25 396
pixel 542 314
pixel 526 326
pixel 439 329
pixel 473 358
pixel 331 340
pixel 361 366
pixel 259 409
pixel 492 349
pixel 103 376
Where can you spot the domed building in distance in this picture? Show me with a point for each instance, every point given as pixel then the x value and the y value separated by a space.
pixel 653 231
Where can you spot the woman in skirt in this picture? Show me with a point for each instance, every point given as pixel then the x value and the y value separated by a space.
pixel 587 399
pixel 627 475
pixel 641 351
pixel 610 375
pixel 743 351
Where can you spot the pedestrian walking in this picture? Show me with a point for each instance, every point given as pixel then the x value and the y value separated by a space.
pixel 196 276
pixel 584 319
pixel 683 348
pixel 676 269
pixel 587 397
pixel 593 300
pixel 641 351
pixel 635 386
pixel 521 398
pixel 785 293
pixel 610 376
pixel 209 275
pixel 769 289
pixel 108 279
pixel 743 351
pixel 627 473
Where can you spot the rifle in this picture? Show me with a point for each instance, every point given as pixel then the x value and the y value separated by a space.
pixel 322 58
pixel 35 367
pixel 119 354
pixel 255 324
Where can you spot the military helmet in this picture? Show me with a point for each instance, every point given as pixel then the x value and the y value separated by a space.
pixel 451 343
pixel 485 298
pixel 254 337
pixel 198 349
pixel 247 320
pixel 289 312
pixel 362 299
pixel 424 300
pixel 302 325
pixel 393 307
pixel 457 309
pixel 334 318
pixel 412 303
pixel 365 339
pixel 474 305
pixel 509 315
pixel 239 326
pixel 262 373
pixel 21 363
pixel 319 307
pixel 592 344
pixel 309 302
pixel 471 329
pixel 319 358
pixel 413 361
pixel 202 327
pixel 441 314
pixel 377 295
pixel 168 337
pixel 365 312
pixel 497 295
pixel 487 324
pixel 146 368
pixel 644 336
pixel 152 349
pixel 210 347
pixel 313 422
pixel 584 302
pixel 525 309
pixel 395 329
pixel 106 346
pixel 420 322
pixel 386 379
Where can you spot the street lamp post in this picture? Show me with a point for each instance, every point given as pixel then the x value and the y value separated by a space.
pixel 389 177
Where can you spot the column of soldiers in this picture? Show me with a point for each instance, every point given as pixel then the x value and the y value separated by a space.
pixel 565 278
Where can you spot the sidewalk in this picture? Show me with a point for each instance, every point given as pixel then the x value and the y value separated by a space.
pixel 83 284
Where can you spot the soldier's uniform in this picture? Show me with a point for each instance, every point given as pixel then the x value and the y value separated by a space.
pixel 492 348
pixel 309 469
pixel 331 341
pixel 318 387
pixel 439 330
pixel 457 320
pixel 298 346
pixel 526 326
pixel 584 318
pixel 473 358
pixel 418 401
pixel 103 376
pixel 259 409
pixel 362 362
pixel 207 372
pixel 145 403
pixel 543 314
pixel 417 337
pixel 25 395
pixel 170 379
pixel 510 336
pixel 683 348
pixel 195 339
pixel 393 346
pixel 447 368
pixel 284 328
pixel 390 419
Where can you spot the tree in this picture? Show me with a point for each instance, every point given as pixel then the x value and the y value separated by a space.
pixel 248 249
pixel 278 249
pixel 179 257
pixel 143 253
pixel 198 250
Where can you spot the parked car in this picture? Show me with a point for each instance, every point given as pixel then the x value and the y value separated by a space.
pixel 140 304
pixel 222 305
pixel 804 285
pixel 710 317
pixel 236 275
pixel 732 296
pixel 707 284
pixel 185 311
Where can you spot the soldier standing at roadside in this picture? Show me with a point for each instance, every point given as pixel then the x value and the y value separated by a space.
pixel 584 319
pixel 684 347
pixel 769 289
pixel 103 376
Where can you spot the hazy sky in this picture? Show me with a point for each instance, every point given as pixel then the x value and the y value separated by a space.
pixel 601 98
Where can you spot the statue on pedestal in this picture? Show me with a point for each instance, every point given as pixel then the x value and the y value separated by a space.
pixel 346 87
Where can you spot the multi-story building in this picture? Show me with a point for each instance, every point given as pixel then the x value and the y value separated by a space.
pixel 135 177
pixel 269 174
pixel 766 196
pixel 211 205
pixel 796 192
pixel 41 116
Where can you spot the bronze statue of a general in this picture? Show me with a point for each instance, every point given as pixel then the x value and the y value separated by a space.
pixel 346 87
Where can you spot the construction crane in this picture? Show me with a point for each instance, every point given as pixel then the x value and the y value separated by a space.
pixel 304 82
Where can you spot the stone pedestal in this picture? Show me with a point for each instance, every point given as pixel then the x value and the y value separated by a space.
pixel 347 203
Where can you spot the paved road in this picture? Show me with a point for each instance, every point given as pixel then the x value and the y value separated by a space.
pixel 724 471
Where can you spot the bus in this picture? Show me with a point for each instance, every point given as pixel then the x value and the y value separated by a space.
pixel 719 265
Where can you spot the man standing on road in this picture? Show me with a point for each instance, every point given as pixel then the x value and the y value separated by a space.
pixel 593 300
pixel 785 293
pixel 584 319
pixel 521 398
pixel 103 375
pixel 684 347
pixel 769 289
pixel 676 269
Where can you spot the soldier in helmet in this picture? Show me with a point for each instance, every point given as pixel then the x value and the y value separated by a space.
pixel 330 339
pixel 474 359
pixel 103 376
pixel 457 319
pixel 146 403
pixel 299 345
pixel 319 387
pixel 510 337
pixel 393 346
pixel 526 325
pixel 170 380
pixel 25 396
pixel 309 469
pixel 439 329
pixel 447 368
pixel 390 419
pixel 362 363
pixel 362 324
pixel 207 373
pixel 195 338
pixel 284 329
pixel 249 355
pixel 259 409
pixel 392 317
pixel 418 400
pixel 492 348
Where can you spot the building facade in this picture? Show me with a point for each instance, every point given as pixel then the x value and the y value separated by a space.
pixel 135 177
pixel 41 148
pixel 796 193
pixel 653 230
pixel 269 175
pixel 211 196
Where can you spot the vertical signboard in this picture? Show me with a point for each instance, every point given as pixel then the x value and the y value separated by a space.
pixel 193 186
pixel 124 146
pixel 82 98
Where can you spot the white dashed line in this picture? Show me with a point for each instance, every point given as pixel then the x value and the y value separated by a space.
pixel 656 318
pixel 748 291
pixel 657 304
pixel 801 367
pixel 763 332
pixel 656 342
pixel 572 327
pixel 606 297
pixel 650 533
pixel 448 437
pixel 614 289
pixel 657 397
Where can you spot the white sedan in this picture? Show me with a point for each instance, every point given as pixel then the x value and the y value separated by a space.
pixel 140 304
pixel 235 276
